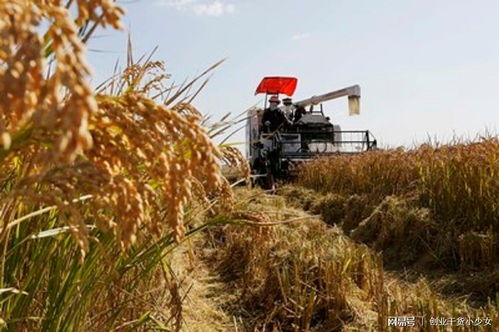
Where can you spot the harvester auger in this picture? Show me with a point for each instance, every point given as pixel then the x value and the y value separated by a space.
pixel 274 155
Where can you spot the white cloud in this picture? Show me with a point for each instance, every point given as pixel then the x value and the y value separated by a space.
pixel 200 7
pixel 215 8
pixel 299 36
pixel 177 4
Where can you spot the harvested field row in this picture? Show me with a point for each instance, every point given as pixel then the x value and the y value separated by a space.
pixel 442 200
pixel 458 182
pixel 306 275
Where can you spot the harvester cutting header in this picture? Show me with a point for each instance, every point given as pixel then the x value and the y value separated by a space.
pixel 280 137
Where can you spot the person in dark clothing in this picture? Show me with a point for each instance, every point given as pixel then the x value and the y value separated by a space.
pixel 288 109
pixel 299 112
pixel 273 118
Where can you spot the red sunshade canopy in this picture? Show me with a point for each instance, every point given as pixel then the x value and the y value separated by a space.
pixel 276 85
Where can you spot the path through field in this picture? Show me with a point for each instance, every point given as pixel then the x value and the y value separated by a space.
pixel 221 269
pixel 207 297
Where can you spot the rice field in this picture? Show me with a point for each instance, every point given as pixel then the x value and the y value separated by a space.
pixel 305 275
pixel 389 233
pixel 444 196
pixel 97 184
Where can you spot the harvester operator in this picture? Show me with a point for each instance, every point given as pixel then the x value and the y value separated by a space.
pixel 299 112
pixel 292 112
pixel 288 108
pixel 273 117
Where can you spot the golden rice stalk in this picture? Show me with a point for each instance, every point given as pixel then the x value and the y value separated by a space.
pixel 135 157
pixel 234 158
pixel 155 147
pixel 103 12
pixel 140 171
pixel 478 250
pixel 56 105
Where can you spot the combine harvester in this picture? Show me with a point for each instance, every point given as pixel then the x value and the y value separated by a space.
pixel 274 155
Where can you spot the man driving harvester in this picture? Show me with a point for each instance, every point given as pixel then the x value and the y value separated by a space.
pixel 292 112
pixel 288 108
pixel 273 117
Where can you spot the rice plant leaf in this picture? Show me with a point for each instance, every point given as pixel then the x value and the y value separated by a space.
pixel 55 231
pixel 12 290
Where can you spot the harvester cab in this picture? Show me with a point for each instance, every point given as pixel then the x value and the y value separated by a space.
pixel 274 154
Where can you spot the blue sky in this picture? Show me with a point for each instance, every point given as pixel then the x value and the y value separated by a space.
pixel 426 68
